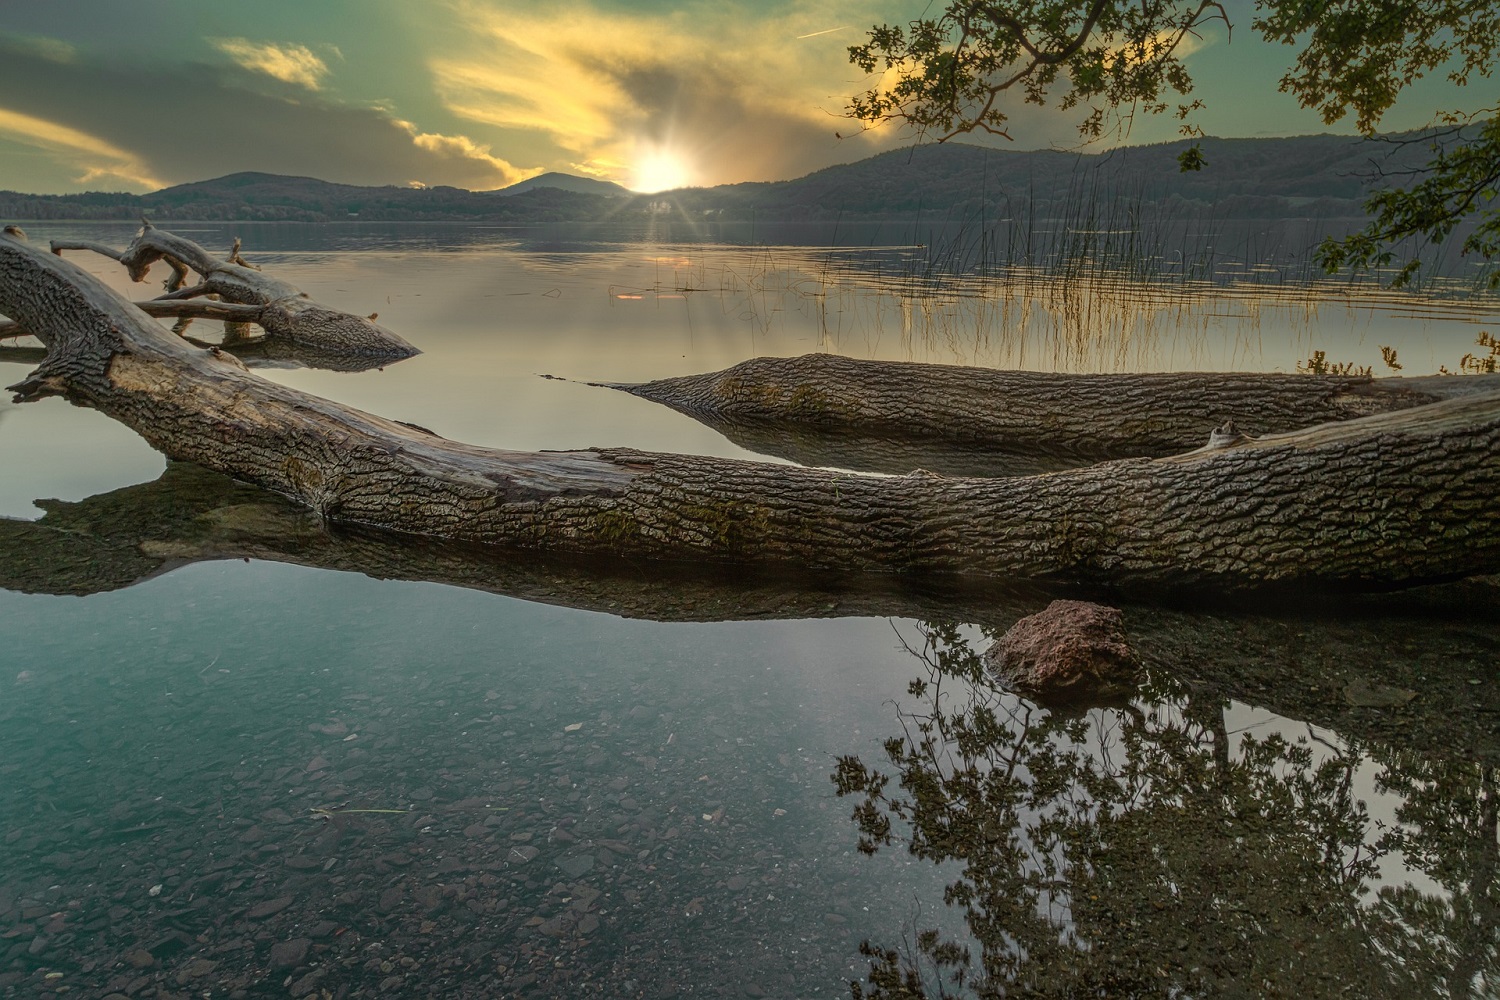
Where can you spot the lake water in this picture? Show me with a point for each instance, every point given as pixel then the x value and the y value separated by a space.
pixel 245 754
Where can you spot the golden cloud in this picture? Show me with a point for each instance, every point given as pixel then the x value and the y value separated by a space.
pixel 94 121
pixel 288 63
pixel 461 147
pixel 94 158
pixel 726 97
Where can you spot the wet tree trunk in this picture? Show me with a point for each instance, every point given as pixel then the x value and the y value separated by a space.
pixel 1386 500
pixel 1026 414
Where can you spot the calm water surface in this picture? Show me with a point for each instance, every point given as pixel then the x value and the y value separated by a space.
pixel 246 754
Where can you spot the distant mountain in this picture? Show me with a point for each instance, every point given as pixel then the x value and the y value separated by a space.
pixel 260 197
pixel 1306 176
pixel 1318 175
pixel 567 182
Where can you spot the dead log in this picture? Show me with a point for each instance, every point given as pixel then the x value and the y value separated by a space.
pixel 889 453
pixel 245 294
pixel 270 352
pixel 22 355
pixel 1026 419
pixel 254 352
pixel 1383 501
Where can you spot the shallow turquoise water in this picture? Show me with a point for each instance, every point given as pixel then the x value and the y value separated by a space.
pixel 156 734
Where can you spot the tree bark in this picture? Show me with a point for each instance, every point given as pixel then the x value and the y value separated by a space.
pixel 1383 501
pixel 1025 419
pixel 246 294
pixel 888 454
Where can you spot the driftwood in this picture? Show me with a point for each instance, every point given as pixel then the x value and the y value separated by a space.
pixel 226 311
pixel 889 453
pixel 1389 500
pixel 1394 669
pixel 1027 421
pixel 22 355
pixel 245 295
pixel 274 352
pixel 254 352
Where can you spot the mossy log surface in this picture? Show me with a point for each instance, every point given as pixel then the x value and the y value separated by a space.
pixel 245 294
pixel 1027 418
pixel 1383 501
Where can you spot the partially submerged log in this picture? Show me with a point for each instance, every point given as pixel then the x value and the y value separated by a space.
pixel 245 294
pixel 254 352
pixel 1383 501
pixel 1026 418
pixel 888 453
pixel 274 352
pixel 22 355
pixel 225 311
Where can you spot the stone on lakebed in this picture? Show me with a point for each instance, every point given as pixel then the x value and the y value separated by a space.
pixel 1073 650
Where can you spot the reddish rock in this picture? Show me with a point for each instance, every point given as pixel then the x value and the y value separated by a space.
pixel 1072 650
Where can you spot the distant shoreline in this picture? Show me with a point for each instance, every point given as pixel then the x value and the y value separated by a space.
pixel 1321 177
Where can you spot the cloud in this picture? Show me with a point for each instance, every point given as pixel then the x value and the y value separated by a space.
pixel 108 121
pixel 461 147
pixel 703 90
pixel 725 96
pixel 285 62
pixel 92 159
pixel 54 49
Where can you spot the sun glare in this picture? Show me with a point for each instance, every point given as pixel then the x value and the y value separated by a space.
pixel 660 171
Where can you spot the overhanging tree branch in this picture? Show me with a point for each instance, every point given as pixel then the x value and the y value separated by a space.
pixel 950 71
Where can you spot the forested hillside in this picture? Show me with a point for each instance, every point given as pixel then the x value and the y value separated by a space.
pixel 1307 176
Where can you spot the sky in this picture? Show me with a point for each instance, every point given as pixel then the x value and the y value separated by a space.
pixel 135 96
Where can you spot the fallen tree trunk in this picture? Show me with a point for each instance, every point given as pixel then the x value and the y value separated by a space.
pixel 1026 418
pixel 226 311
pixel 254 352
pixel 1389 500
pixel 888 454
pixel 22 355
pixel 246 294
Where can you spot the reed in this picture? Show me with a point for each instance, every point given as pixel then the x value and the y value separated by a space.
pixel 1104 282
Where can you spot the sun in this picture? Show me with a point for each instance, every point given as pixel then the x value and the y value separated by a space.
pixel 660 170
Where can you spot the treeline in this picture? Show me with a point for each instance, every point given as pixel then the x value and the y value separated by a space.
pixel 1308 176
pixel 273 198
pixel 1320 176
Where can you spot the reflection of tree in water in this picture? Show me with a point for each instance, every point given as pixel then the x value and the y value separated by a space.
pixel 1448 827
pixel 1143 853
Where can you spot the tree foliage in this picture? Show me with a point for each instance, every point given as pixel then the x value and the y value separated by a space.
pixel 945 75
